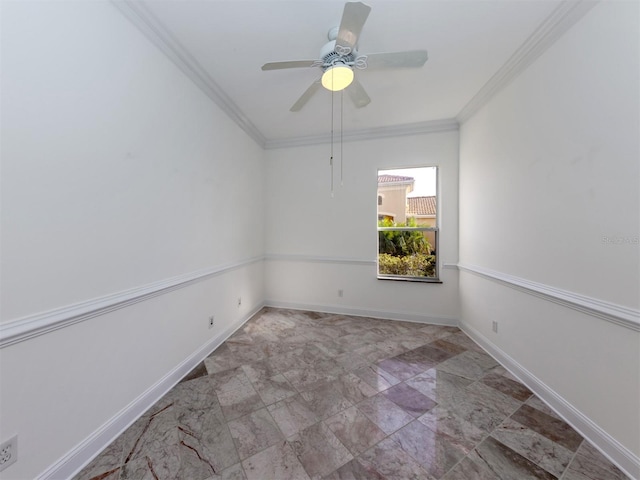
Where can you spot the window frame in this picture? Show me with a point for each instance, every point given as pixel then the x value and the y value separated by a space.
pixel 435 229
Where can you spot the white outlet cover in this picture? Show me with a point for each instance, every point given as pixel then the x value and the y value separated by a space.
pixel 9 452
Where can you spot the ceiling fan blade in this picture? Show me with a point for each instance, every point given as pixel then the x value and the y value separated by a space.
pixel 358 94
pixel 353 18
pixel 313 88
pixel 410 59
pixel 291 64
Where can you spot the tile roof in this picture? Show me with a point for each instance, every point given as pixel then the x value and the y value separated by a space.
pixel 393 179
pixel 421 206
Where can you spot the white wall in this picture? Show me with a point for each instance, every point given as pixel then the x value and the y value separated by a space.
pixel 319 244
pixel 112 161
pixel 548 169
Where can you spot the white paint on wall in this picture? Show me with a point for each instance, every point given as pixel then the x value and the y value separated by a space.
pixel 117 172
pixel 551 165
pixel 111 160
pixel 306 220
pixel 548 169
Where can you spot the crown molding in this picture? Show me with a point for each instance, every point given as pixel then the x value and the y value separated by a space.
pixel 552 28
pixel 611 312
pixel 418 128
pixel 160 36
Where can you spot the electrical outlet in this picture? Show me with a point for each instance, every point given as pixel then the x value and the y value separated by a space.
pixel 8 452
pixel 239 301
pixel 340 293
pixel 494 327
pixel 211 318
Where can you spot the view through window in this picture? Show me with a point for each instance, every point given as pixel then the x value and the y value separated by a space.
pixel 408 224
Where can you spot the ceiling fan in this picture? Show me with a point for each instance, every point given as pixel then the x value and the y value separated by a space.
pixel 340 56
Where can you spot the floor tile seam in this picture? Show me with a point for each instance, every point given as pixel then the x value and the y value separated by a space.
pixel 241 459
pixel 404 409
pixel 506 446
pixel 508 415
pixel 399 446
pixel 447 438
pixel 226 424
pixel 356 458
pixel 371 465
pixel 486 435
pixel 573 457
pixel 318 419
pixel 258 452
pixel 555 419
pixel 467 455
pixel 353 453
pixel 244 472
pixel 405 382
pixel 535 462
pixel 298 458
pixel 387 434
pixel 253 384
pixel 461 460
pixel 351 404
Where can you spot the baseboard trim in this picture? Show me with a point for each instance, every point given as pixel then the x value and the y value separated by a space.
pixel 80 456
pixel 626 460
pixel 364 312
pixel 618 314
pixel 24 328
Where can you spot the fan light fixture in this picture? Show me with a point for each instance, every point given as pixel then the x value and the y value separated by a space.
pixel 337 77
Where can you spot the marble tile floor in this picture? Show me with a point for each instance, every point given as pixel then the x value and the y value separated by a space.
pixel 305 395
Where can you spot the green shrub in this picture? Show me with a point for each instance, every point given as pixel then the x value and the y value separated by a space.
pixel 401 243
pixel 416 265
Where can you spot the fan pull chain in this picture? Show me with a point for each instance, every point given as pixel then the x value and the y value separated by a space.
pixel 341 121
pixel 331 159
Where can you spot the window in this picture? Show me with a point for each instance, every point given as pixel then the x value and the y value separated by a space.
pixel 408 224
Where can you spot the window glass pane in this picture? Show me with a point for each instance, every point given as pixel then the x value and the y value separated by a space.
pixel 407 223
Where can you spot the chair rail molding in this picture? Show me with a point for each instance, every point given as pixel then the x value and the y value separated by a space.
pixel 611 312
pixel 24 328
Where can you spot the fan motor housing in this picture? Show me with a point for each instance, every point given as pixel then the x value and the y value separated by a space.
pixel 329 55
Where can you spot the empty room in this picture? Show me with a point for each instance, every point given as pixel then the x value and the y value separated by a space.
pixel 299 239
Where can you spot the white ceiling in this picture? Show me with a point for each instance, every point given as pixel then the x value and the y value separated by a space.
pixel 468 43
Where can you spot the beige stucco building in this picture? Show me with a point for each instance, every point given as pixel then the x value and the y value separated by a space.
pixel 395 203
pixel 392 197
